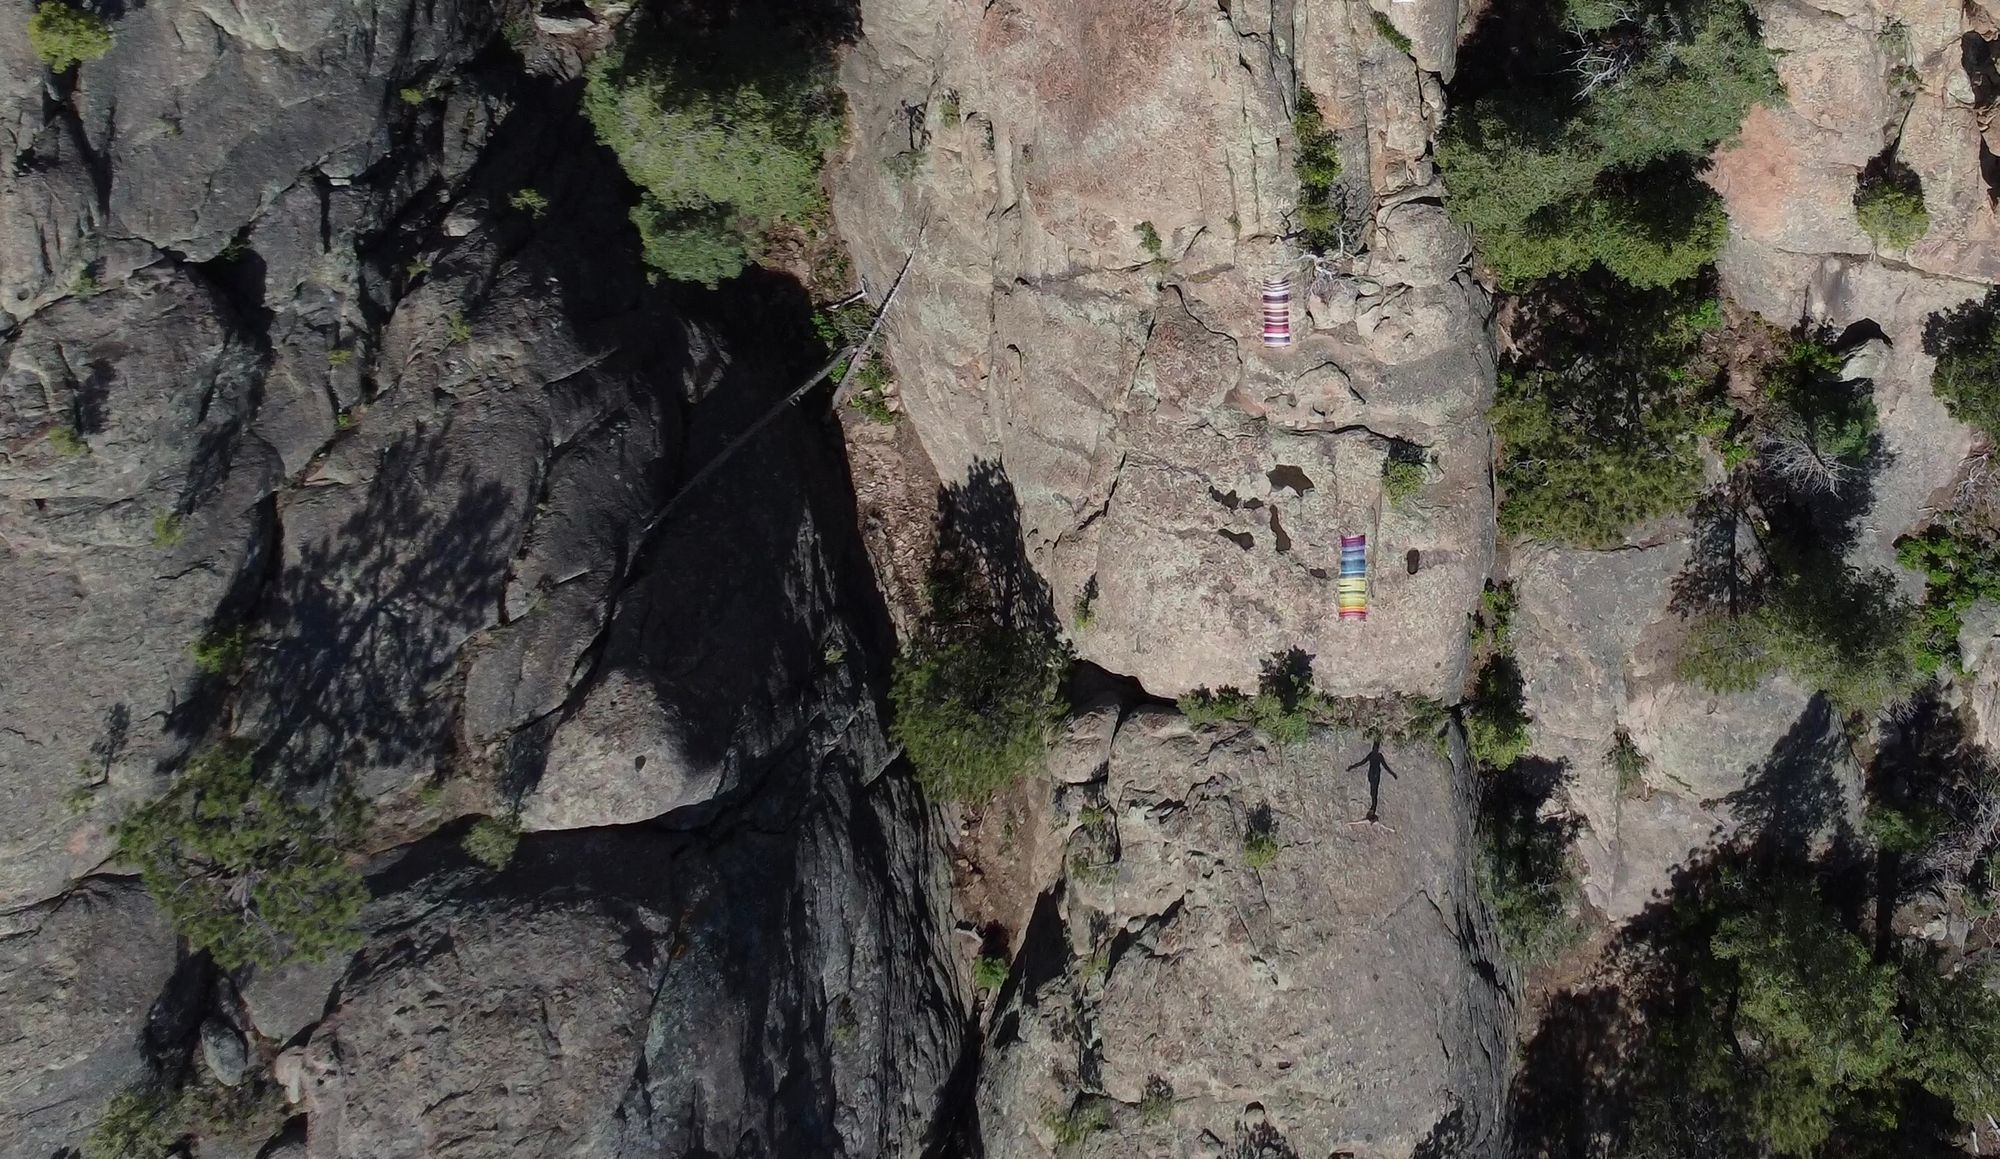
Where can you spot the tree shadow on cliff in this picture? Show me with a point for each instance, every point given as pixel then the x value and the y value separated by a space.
pixel 1793 802
pixel 981 557
pixel 1724 571
pixel 368 618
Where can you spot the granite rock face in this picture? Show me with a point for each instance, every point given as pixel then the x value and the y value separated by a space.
pixel 1195 479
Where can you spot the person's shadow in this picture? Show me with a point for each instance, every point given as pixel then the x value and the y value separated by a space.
pixel 1377 765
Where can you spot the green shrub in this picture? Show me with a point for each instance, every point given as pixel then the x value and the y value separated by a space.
pixel 167 529
pixel 871 392
pixel 1552 181
pixel 1316 161
pixel 1259 850
pixel 723 145
pixel 1966 342
pixel 974 707
pixel 1402 478
pixel 411 95
pixel 1820 1011
pixel 530 201
pixel 1598 416
pixel 63 36
pixel 1149 238
pixel 67 442
pixel 1524 870
pixel 989 971
pixel 1390 32
pixel 1822 430
pixel 1959 571
pixel 151 1122
pixel 1072 1126
pixel 492 840
pixel 220 652
pixel 1954 1043
pixel 1832 628
pixel 1156 1101
pixel 242 871
pixel 1496 718
pixel 1205 709
pixel 1892 211
pixel 140 1123
pixel 1084 610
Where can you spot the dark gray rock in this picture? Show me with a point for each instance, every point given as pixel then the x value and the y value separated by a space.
pixel 132 507
pixel 626 993
pixel 77 979
pixel 223 1050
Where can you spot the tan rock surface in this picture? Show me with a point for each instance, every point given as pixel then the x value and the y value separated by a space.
pixel 1157 446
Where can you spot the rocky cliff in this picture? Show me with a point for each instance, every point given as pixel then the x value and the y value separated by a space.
pixel 317 436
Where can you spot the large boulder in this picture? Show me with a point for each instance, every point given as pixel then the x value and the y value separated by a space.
pixel 630 993
pixel 1796 251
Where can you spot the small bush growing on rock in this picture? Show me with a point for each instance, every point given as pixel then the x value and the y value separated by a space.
pixel 1322 207
pixel 530 201
pixel 492 840
pixel 220 652
pixel 1073 1126
pixel 989 971
pixel 167 529
pixel 242 871
pixel 1496 718
pixel 871 391
pixel 1821 432
pixel 1966 342
pixel 724 132
pixel 1205 709
pixel 1403 476
pixel 140 1123
pixel 1889 204
pixel 63 36
pixel 1260 837
pixel 1959 570
pixel 67 442
pixel 1524 869
pixel 1832 628
pixel 152 1122
pixel 1156 1101
pixel 1149 239
pixel 1390 32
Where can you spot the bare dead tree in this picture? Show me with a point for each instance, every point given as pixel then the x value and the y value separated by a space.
pixel 1793 456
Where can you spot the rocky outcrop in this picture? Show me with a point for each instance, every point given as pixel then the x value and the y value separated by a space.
pixel 1596 639
pixel 289 365
pixel 1193 479
pixel 1237 958
pixel 1862 79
